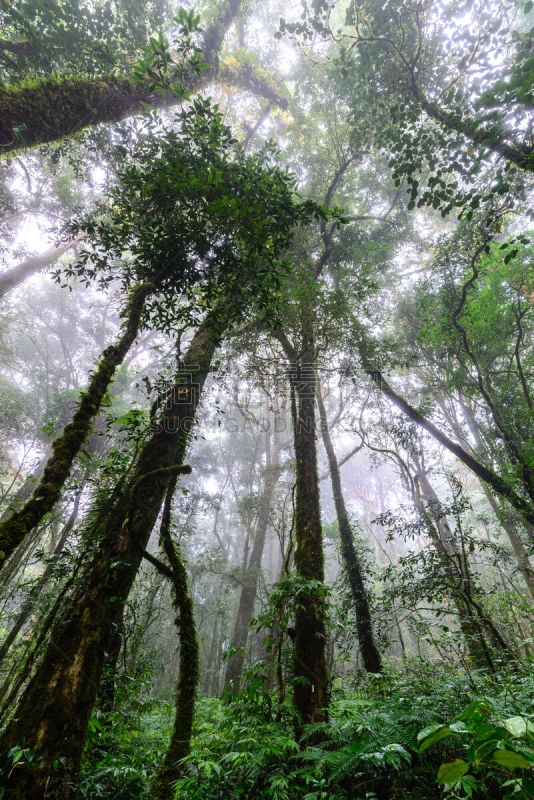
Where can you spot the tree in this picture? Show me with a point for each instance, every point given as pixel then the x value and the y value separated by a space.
pixel 207 217
pixel 239 214
pixel 370 654
pixel 443 106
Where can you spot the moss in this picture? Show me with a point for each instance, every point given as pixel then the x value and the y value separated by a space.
pixel 40 111
pixel 177 469
pixel 55 697
pixel 188 676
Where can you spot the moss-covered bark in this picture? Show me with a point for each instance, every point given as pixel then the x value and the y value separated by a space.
pixel 28 606
pixel 310 674
pixel 50 108
pixel 186 690
pixel 67 446
pixel 370 655
pixel 53 713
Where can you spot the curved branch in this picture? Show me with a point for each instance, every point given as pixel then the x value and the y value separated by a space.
pixel 11 278
pixel 500 486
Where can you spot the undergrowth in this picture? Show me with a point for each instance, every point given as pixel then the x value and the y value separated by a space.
pixel 369 749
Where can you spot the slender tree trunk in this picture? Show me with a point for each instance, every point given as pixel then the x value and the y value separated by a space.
pixel 509 525
pixel 188 677
pixel 370 655
pixel 54 710
pixel 310 674
pixel 478 629
pixel 67 446
pixel 108 683
pixel 251 573
pixel 503 513
pixel 499 485
pixel 16 500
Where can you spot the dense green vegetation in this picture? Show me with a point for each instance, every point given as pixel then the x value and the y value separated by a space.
pixel 266 400
pixel 377 743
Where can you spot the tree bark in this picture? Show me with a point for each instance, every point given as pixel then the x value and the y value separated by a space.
pixel 310 675
pixel 54 710
pixel 364 626
pixel 51 108
pixel 188 677
pixel 28 606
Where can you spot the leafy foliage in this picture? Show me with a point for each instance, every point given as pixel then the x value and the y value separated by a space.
pixel 496 748
pixel 194 215
pixel 377 743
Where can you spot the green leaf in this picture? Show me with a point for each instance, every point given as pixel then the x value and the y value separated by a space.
pixel 429 736
pixel 476 709
pixel 507 758
pixel 452 771
pixel 518 727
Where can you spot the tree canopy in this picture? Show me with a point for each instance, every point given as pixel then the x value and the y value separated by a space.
pixel 266 387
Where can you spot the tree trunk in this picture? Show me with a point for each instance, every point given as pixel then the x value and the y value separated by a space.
pixel 310 677
pixel 370 655
pixel 67 446
pixel 28 606
pixel 498 484
pixel 492 139
pixel 50 108
pixel 54 710
pixel 480 633
pixel 188 677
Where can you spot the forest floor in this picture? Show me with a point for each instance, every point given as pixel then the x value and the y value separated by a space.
pixel 429 731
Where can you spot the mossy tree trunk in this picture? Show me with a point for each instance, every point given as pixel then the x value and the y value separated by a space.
pixel 364 626
pixel 310 675
pixel 53 713
pixel 188 675
pixel 69 443
pixel 51 108
pixel 28 606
